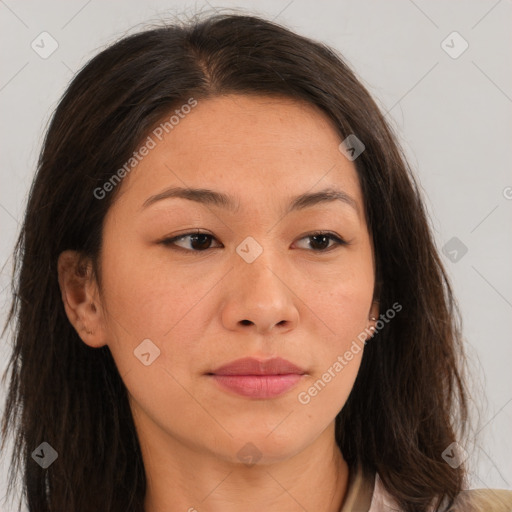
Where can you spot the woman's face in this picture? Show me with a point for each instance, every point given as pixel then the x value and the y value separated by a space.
pixel 257 283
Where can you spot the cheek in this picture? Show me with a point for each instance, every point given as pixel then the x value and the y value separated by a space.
pixel 142 296
pixel 133 303
pixel 146 299
pixel 325 393
pixel 338 352
pixel 343 305
pixel 348 312
pixel 343 299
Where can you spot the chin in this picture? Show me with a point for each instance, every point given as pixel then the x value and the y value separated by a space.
pixel 263 449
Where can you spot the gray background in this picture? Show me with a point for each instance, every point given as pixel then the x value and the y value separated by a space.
pixel 452 116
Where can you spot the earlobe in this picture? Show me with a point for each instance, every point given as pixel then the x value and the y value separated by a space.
pixel 80 298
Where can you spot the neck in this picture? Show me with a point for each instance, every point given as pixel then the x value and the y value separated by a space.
pixel 182 479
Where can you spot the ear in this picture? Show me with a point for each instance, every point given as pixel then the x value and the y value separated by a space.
pixel 373 315
pixel 80 295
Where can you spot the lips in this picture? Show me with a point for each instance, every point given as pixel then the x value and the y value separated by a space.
pixel 262 379
pixel 253 366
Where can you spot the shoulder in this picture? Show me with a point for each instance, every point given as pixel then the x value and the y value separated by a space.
pixel 473 500
pixel 488 500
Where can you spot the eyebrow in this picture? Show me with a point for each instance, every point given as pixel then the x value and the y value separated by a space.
pixel 219 199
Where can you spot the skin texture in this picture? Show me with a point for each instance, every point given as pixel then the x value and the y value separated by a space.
pixel 204 309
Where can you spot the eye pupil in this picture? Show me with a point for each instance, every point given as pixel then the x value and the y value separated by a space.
pixel 205 241
pixel 324 241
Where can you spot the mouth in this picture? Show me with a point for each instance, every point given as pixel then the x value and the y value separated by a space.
pixel 255 378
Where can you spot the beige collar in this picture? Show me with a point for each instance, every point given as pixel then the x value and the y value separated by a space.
pixel 359 492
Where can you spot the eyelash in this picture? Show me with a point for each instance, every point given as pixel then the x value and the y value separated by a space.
pixel 170 242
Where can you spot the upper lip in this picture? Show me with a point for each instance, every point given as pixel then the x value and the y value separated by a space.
pixel 253 366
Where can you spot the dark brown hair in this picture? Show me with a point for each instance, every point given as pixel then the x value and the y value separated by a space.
pixel 409 401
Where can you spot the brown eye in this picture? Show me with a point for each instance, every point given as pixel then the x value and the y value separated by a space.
pixel 319 242
pixel 193 242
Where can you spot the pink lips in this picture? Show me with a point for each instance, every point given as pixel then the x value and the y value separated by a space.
pixel 258 379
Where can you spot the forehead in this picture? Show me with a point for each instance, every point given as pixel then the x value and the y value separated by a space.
pixel 248 146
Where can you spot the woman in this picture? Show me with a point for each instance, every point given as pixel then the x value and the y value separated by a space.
pixel 227 293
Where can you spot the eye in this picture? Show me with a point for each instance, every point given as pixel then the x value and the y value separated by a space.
pixel 193 242
pixel 320 241
pixel 200 242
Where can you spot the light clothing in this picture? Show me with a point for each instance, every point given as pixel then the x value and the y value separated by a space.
pixel 369 495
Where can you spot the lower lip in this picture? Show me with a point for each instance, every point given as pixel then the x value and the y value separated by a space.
pixel 258 386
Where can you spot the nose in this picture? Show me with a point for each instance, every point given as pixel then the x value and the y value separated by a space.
pixel 260 298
